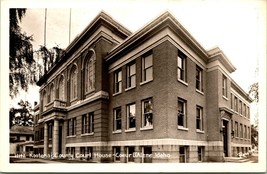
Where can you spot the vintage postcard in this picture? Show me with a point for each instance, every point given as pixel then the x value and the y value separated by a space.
pixel 133 86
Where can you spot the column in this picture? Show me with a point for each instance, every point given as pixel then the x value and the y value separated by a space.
pixel 55 139
pixel 45 138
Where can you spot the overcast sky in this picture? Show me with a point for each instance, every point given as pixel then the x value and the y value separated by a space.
pixel 237 27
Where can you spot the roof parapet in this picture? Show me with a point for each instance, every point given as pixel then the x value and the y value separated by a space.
pixel 217 54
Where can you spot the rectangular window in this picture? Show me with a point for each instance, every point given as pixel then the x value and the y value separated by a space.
pixel 131 75
pixel 181 71
pixel 236 109
pixel 131 116
pixel 183 154
pixel 117 152
pixel 147 67
pixel 236 129
pixel 130 153
pixel 240 107
pixel 248 110
pixel 249 133
pixel 199 118
pixel 147 151
pixel 224 86
pixel 199 79
pixel 232 107
pixel 71 127
pixel 245 131
pixel 245 110
pixel 88 123
pixel 181 113
pixel 117 81
pixel 87 152
pixel 200 153
pixel 241 130
pixel 117 119
pixel 147 113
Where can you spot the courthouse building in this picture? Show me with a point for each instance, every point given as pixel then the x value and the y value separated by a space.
pixel 155 92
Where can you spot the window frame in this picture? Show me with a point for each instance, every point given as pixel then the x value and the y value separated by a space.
pixel 74 83
pixel 61 92
pixel 128 108
pixel 89 74
pixel 200 152
pixel 116 120
pixel 241 130
pixel 200 118
pixel 146 68
pixel 131 76
pixel 184 155
pixel 130 157
pixel 88 123
pixel 236 129
pixel 224 86
pixel 117 149
pixel 117 81
pixel 199 78
pixel 183 112
pixel 146 123
pixel 181 67
pixel 72 127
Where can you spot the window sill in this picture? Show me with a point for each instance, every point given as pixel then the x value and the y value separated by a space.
pixel 71 136
pixel 128 89
pixel 146 128
pixel 200 92
pixel 183 82
pixel 89 92
pixel 116 93
pixel 73 100
pixel 200 131
pixel 130 130
pixel 87 134
pixel 225 98
pixel 145 82
pixel 182 128
pixel 116 132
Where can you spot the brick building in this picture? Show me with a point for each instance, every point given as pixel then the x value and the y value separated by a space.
pixel 155 95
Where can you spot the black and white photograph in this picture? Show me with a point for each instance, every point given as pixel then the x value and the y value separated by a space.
pixel 133 86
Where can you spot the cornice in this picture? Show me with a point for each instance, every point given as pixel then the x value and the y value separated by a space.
pixel 161 22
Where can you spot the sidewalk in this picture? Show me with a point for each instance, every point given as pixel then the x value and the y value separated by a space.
pixel 252 159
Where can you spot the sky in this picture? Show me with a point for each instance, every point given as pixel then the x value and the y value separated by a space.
pixel 237 27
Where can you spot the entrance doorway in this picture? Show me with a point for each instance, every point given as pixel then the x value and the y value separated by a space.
pixel 225 138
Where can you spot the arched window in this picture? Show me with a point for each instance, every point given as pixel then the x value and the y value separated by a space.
pixel 61 91
pixel 89 73
pixel 73 83
pixel 52 93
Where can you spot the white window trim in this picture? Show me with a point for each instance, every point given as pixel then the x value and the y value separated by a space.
pixel 182 128
pixel 183 82
pixel 87 134
pixel 200 92
pixel 130 130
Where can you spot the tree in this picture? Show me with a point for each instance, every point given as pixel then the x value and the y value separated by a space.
pixel 22 116
pixel 254 91
pixel 22 66
pixel 49 57
pixel 254 135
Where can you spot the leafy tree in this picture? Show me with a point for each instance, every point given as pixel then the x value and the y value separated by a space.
pixel 254 135
pixel 254 91
pixel 22 65
pixel 49 57
pixel 23 115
